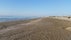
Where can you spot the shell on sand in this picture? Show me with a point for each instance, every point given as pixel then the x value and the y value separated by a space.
pixel 68 28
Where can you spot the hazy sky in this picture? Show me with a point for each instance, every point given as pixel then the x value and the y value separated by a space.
pixel 35 7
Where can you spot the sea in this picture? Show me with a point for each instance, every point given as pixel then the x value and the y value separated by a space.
pixel 13 18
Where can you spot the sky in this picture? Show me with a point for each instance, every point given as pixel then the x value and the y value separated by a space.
pixel 35 7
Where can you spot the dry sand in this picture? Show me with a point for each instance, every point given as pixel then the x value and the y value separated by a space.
pixel 64 18
pixel 40 29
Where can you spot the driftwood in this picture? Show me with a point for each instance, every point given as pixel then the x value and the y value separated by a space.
pixel 69 17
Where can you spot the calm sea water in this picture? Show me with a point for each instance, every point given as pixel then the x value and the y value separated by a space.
pixel 13 18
